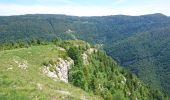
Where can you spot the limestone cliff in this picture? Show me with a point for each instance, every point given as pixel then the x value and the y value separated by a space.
pixel 60 69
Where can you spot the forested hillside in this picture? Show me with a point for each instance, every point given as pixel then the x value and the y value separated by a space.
pixel 94 29
pixel 46 71
pixel 140 43
pixel 146 54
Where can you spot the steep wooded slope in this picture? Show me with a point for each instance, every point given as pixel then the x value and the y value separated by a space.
pixel 108 31
pixel 37 72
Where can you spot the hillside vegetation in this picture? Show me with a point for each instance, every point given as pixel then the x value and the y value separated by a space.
pixel 139 43
pixel 22 74
pixel 146 54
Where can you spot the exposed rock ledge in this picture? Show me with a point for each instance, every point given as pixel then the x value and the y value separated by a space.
pixel 86 53
pixel 60 69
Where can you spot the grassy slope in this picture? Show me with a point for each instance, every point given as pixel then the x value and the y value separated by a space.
pixel 17 83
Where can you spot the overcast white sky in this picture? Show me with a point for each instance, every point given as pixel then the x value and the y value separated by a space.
pixel 84 7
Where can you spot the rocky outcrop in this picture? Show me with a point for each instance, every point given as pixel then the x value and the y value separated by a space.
pixel 86 53
pixel 60 69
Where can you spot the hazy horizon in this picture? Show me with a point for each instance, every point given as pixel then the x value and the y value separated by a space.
pixel 82 16
pixel 84 8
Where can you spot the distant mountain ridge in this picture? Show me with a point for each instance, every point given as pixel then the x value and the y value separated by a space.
pixel 33 25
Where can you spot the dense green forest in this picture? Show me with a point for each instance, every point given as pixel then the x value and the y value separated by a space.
pixel 102 29
pixel 103 76
pixel 140 43
pixel 100 75
pixel 146 54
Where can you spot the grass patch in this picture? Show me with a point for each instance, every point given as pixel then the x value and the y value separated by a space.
pixel 22 84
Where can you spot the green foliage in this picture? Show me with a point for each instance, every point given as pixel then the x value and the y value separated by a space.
pixel 102 76
pixel 138 42
pixel 32 83
pixel 21 44
pixel 76 75
pixel 144 54
pixel 74 53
